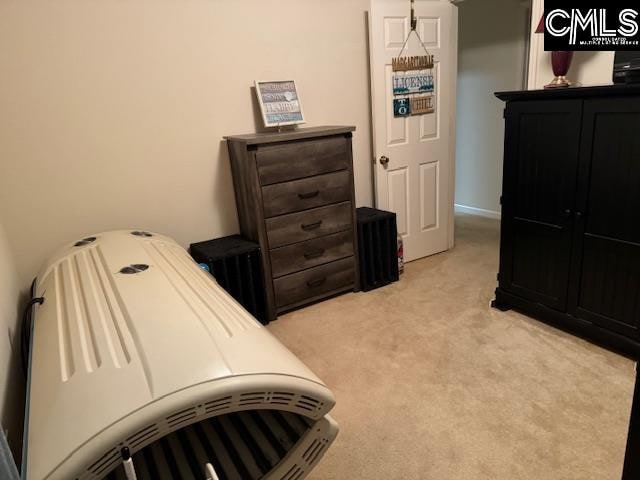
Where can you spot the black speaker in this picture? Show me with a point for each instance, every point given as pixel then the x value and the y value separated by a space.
pixel 236 265
pixel 377 247
pixel 626 67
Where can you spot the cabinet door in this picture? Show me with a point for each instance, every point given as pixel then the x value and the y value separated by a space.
pixel 606 263
pixel 540 169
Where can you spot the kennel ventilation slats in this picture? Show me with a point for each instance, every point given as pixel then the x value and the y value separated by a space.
pixel 377 244
pixel 135 346
pixel 240 446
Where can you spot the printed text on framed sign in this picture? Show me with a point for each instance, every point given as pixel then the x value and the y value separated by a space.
pixel 279 103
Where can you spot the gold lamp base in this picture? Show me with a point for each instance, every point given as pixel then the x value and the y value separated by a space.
pixel 559 82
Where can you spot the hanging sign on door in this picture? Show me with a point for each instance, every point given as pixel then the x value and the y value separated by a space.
pixel 421 105
pixel 404 84
pixel 402 64
pixel 405 107
pixel 401 107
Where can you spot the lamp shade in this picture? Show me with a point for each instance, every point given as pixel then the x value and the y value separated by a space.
pixel 540 28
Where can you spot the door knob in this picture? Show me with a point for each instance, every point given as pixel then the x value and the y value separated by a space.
pixel 384 161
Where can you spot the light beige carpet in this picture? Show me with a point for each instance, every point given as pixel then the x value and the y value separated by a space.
pixel 433 384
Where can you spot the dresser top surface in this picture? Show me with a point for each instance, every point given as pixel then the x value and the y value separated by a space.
pixel 285 136
pixel 571 92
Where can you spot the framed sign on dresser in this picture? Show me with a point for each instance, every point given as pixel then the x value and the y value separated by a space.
pixel 570 239
pixel 295 197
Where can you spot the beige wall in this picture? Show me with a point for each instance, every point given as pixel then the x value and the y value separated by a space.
pixel 11 381
pixel 587 68
pixel 113 112
pixel 491 58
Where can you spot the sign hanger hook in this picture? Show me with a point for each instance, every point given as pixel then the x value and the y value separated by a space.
pixel 414 26
pixel 414 20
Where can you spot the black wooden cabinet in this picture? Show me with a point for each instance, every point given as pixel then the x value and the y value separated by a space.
pixel 570 240
pixel 542 151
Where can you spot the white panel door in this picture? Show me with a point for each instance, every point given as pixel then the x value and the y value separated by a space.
pixel 417 183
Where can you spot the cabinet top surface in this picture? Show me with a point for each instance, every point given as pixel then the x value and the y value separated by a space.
pixel 297 134
pixel 571 92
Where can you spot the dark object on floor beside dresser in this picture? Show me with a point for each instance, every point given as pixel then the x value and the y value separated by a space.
pixel 295 197
pixel 378 247
pixel 570 239
pixel 236 265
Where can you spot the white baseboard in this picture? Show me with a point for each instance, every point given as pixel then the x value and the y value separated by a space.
pixel 481 212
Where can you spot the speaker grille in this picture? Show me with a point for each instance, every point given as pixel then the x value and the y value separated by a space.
pixel 237 266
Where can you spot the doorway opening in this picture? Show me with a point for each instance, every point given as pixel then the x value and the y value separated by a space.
pixel 493 52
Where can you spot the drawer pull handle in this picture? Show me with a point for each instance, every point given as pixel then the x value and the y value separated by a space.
pixel 314 254
pixel 316 283
pixel 308 195
pixel 311 226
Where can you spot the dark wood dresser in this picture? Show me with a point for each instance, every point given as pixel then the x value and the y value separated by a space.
pixel 570 240
pixel 295 197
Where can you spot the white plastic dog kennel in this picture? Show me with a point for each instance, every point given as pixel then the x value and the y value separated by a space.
pixel 136 349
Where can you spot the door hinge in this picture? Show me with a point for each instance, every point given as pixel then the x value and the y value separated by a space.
pixel 504 113
pixel 501 199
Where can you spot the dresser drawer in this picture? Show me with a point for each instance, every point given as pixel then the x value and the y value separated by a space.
pixel 310 283
pixel 285 260
pixel 306 193
pixel 297 227
pixel 289 161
